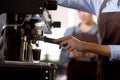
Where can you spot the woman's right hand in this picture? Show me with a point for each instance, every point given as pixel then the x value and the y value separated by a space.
pixel 71 43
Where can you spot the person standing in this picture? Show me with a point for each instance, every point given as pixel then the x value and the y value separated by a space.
pixel 82 66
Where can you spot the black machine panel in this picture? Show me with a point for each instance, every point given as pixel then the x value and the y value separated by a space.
pixel 14 70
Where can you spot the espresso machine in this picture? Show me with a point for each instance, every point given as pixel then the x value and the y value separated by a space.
pixel 25 25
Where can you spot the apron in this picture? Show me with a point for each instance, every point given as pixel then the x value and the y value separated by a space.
pixel 109 28
pixel 81 70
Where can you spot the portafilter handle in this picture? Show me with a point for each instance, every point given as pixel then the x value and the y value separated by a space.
pixel 51 40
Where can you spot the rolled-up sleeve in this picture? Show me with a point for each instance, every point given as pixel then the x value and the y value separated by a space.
pixel 115 52
pixel 84 5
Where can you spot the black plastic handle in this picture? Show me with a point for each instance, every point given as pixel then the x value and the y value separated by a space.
pixel 51 40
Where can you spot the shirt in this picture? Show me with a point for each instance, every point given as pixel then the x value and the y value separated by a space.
pixel 64 55
pixel 93 6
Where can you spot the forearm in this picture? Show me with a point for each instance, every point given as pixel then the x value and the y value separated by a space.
pixel 103 50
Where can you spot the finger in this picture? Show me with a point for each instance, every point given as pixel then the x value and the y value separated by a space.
pixel 63 43
pixel 68 46
pixel 70 54
pixel 71 49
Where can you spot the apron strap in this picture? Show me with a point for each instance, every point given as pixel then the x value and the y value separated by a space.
pixel 103 5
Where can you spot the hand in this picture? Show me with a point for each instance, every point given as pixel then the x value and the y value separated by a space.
pixel 72 43
pixel 80 56
pixel 75 54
